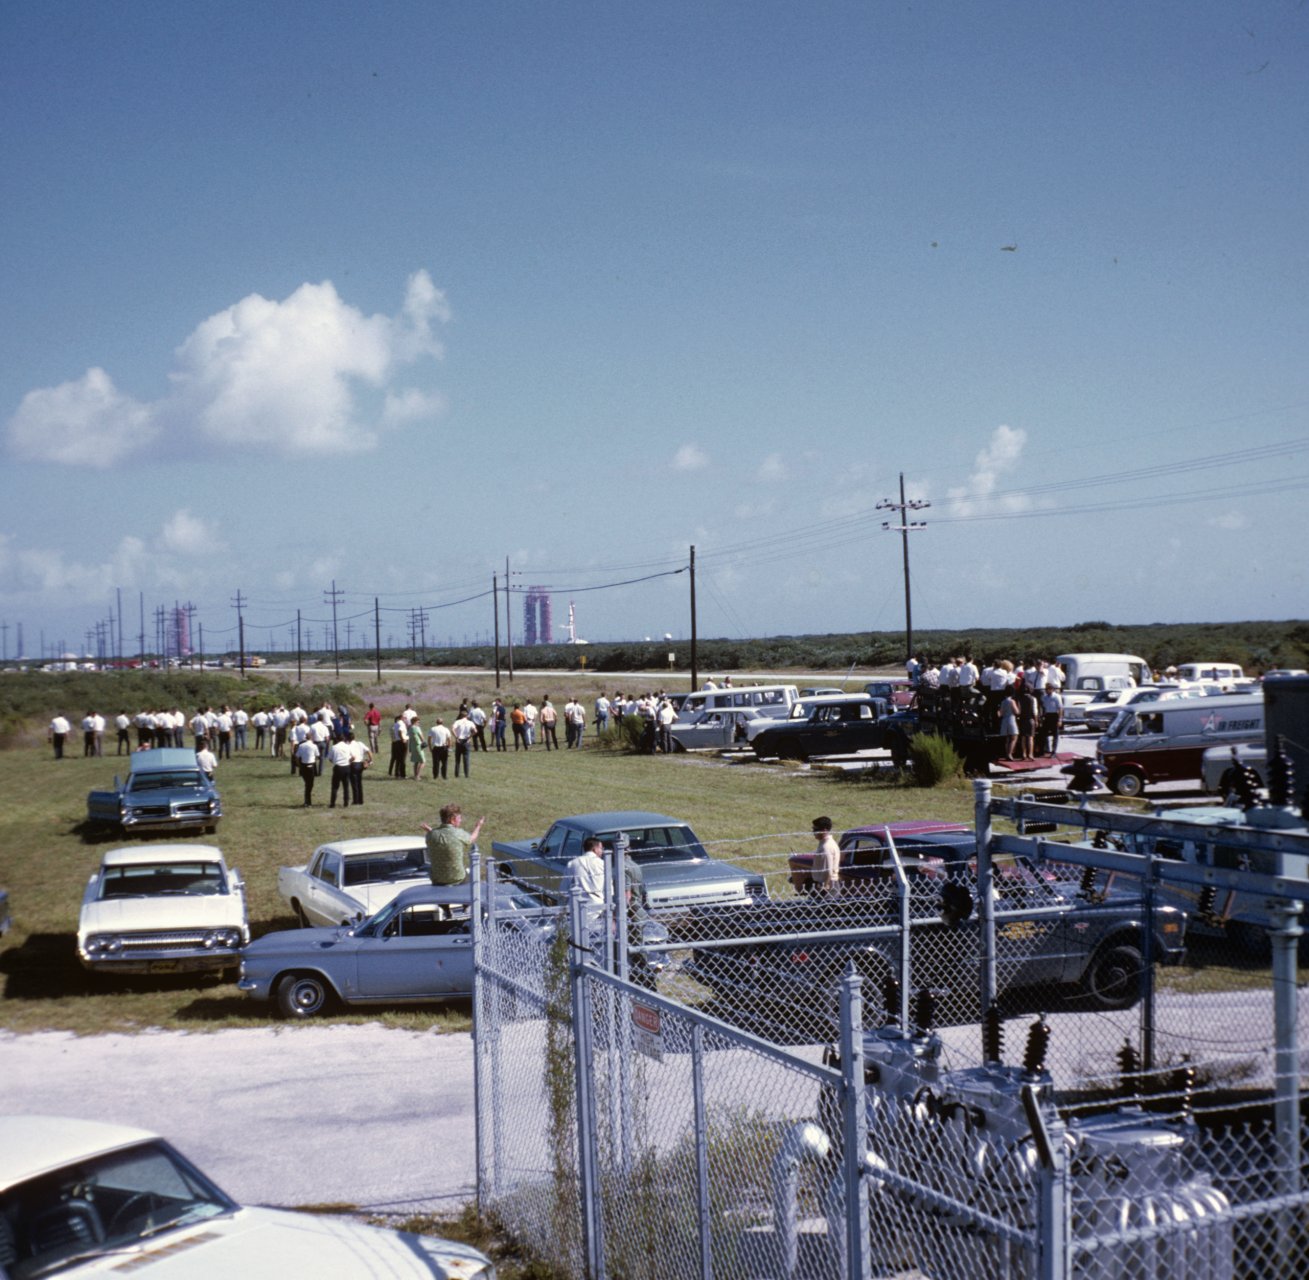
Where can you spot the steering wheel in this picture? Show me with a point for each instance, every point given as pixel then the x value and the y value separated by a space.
pixel 139 1205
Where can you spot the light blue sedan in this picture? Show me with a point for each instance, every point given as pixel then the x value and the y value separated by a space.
pixel 416 949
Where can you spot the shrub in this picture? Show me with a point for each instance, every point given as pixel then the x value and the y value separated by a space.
pixel 933 760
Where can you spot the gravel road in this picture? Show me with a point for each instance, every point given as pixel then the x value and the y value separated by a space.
pixel 359 1115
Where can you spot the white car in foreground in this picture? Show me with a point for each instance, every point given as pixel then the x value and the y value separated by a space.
pixel 81 1198
pixel 163 908
pixel 349 880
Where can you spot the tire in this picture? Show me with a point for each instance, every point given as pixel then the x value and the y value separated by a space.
pixel 1128 782
pixel 301 919
pixel 1113 980
pixel 789 751
pixel 302 995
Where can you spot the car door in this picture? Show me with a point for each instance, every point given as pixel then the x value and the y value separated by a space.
pixel 419 954
pixel 326 904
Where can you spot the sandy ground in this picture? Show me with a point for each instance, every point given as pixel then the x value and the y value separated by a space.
pixel 359 1115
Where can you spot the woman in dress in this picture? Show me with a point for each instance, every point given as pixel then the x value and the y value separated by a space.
pixel 1028 714
pixel 1009 724
pixel 417 751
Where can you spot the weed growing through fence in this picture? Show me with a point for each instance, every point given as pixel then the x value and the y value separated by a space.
pixel 560 1085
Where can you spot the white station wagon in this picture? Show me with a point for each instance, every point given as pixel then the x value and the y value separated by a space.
pixel 163 908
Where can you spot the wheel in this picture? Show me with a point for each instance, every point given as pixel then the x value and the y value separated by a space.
pixel 301 919
pixel 140 1205
pixel 1114 979
pixel 1128 782
pixel 302 995
pixel 789 751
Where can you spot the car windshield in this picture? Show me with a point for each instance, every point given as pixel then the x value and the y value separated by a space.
pixel 153 879
pixel 659 844
pixel 165 781
pixel 101 1205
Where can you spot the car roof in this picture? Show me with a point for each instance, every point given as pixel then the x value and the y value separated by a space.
pixel 136 855
pixel 160 758
pixel 33 1145
pixel 362 845
pixel 616 818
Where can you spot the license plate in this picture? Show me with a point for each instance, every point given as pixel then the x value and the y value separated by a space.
pixel 163 966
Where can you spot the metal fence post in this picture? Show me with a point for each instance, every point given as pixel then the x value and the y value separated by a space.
pixel 479 1043
pixel 701 1150
pixel 587 1153
pixel 858 1247
pixel 985 900
pixel 1284 939
pixel 1053 1221
pixel 1146 980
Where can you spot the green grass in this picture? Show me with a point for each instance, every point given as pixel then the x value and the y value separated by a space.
pixel 744 812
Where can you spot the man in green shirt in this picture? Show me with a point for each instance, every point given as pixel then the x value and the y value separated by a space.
pixel 448 845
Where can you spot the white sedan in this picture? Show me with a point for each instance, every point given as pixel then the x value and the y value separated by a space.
pixel 163 908
pixel 350 879
pixel 81 1198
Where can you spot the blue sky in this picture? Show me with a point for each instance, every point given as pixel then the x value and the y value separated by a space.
pixel 384 295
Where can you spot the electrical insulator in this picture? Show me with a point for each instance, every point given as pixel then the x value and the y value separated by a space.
pixel 1181 1083
pixel 1038 1042
pixel 992 1035
pixel 1088 878
pixel 1099 841
pixel 924 1010
pixel 1204 907
pixel 891 999
pixel 1129 1070
pixel 1281 775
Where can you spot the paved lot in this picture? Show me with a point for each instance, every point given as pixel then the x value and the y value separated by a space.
pixel 357 1115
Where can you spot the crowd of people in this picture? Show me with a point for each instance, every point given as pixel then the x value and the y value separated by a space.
pixel 1023 702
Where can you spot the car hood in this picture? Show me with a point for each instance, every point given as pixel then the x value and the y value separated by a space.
pixel 270 1244
pixel 297 941
pixel 179 911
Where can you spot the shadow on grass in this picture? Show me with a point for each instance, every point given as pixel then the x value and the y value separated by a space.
pixel 46 967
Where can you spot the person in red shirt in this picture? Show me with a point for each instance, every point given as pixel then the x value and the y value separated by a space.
pixel 373 719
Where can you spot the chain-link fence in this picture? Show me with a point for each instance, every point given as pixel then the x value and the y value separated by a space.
pixel 1148 1125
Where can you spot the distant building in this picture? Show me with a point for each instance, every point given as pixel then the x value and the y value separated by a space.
pixel 537 624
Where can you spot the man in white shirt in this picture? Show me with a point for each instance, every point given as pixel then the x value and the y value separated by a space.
pixel 321 736
pixel 123 723
pixel 576 719
pixel 199 727
pixel 281 718
pixel 239 721
pixel 339 755
pixel 260 720
pixel 206 758
pixel 478 717
pixel 439 739
pixel 306 757
pixel 360 759
pixel 462 731
pixel 529 724
pixel 58 734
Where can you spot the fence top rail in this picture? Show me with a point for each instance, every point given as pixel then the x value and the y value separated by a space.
pixel 1242 835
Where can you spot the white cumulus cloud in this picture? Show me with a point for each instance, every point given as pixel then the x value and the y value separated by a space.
pixel 187 534
pixel 1001 454
pixel 772 469
pixel 87 423
pixel 294 378
pixel 690 457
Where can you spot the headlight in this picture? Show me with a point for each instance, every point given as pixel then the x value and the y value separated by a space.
pixel 104 944
pixel 229 938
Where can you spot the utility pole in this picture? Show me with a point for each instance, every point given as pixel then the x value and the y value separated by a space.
pixel 334 596
pixel 695 675
pixel 509 624
pixel 422 629
pixel 299 653
pixel 904 529
pixel 120 625
pixel 377 637
pixel 495 609
pixel 4 646
pixel 238 604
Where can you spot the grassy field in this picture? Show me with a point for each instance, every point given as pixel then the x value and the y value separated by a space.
pixel 743 812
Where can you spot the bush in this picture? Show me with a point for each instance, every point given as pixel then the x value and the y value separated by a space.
pixel 623 735
pixel 933 760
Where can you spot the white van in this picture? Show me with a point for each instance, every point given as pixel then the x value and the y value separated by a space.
pixel 770 699
pixel 1166 741
pixel 1088 676
pixel 1223 673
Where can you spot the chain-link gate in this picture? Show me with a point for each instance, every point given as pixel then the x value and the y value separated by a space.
pixel 1148 1124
